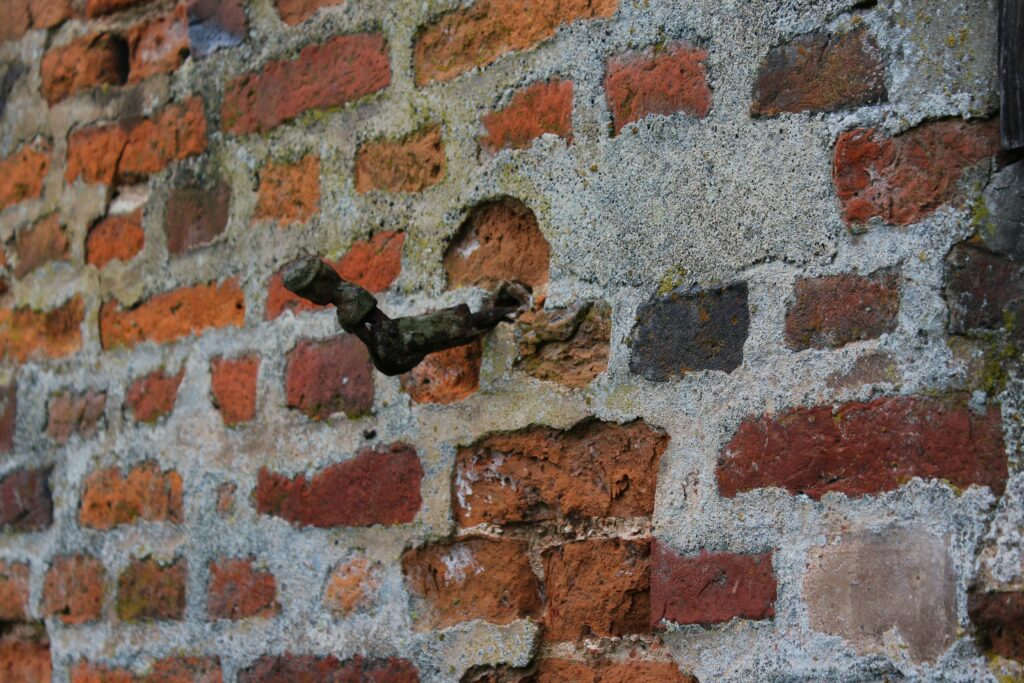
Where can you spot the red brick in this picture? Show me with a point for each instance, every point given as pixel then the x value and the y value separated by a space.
pixel 342 70
pixel 111 498
pixel 237 591
pixel 173 315
pixel 148 590
pixel 569 346
pixel 131 150
pixel 216 24
pixel 43 242
pixel 25 502
pixel 673 79
pixel 544 107
pixel 233 382
pixel 23 172
pixel 820 72
pixel 999 618
pixel 289 193
pixel 18 16
pixel 710 588
pixel 373 265
pixel 290 668
pixel 329 376
pixel 598 587
pixel 481 33
pixel 196 216
pixel 8 416
pixel 411 164
pixel 73 589
pixel 159 45
pixel 555 670
pixel 95 60
pixel 153 396
pixel 983 290
pixel 115 237
pixel 14 591
pixel 833 311
pixel 351 586
pixel 96 8
pixel 475 578
pixel 595 469
pixel 375 487
pixel 445 376
pixel 70 413
pixel 902 179
pixel 226 499
pixel 499 240
pixel 25 655
pixel 294 12
pixel 170 670
pixel 27 334
pixel 867 448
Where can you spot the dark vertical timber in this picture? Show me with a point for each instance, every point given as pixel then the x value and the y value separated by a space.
pixel 1011 73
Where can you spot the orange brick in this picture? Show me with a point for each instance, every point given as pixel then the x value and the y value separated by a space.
pixel 289 193
pixel 411 164
pixel 43 242
pixel 27 334
pixel 95 60
pixel 159 46
pixel 233 382
pixel 541 108
pixel 115 238
pixel 22 174
pixel 13 591
pixel 111 498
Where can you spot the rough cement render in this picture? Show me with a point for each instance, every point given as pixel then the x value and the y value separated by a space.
pixel 700 201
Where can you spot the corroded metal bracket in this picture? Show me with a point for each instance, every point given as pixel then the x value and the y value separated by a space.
pixel 398 345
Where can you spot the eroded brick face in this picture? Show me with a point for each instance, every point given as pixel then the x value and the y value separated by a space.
pixel 569 346
pixel 25 655
pixel 291 668
pixel 239 591
pixel 153 396
pixel 375 487
pixel 159 45
pixel 351 586
pixel 18 16
pixel 445 376
pixel 111 497
pixel 233 383
pixel 73 589
pixel 14 591
pixel 22 173
pixel 29 334
pixel 999 619
pixel 555 670
pixel 115 238
pixel 541 108
pixel 833 311
pixel 149 590
pixel 289 192
pixel 25 501
pixel 984 291
pixel 216 24
pixel 169 670
pixel 95 60
pixel 8 416
pixel 411 164
pixel 71 413
pixel 42 243
pixel 330 376
pixel 196 216
pixel 865 448
pixel 294 12
pixel 595 469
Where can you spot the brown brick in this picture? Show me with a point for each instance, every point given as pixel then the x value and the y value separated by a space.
pixel 289 193
pixel 595 469
pixel 70 413
pixel 375 487
pixel 115 237
pixel 159 45
pixel 43 242
pixel 342 70
pixel 569 346
pixel 902 179
pixel 329 376
pixel 833 311
pixel 544 107
pixel 73 589
pixel 710 588
pixel 148 590
pixel 237 591
pixel 14 591
pixel 226 499
pixel 411 164
pixel 8 416
pixel 999 618
pixel 153 396
pixel 291 668
pixel 25 655
pixel 294 12
pixel 555 670
pixel 351 586
pixel 95 60
pixel 23 172
pixel 666 81
pixel 479 34
pixel 475 578
pixel 233 383
pixel 131 150
pixel 18 16
pixel 173 315
pixel 25 502
pixel 445 376
pixel 170 670
pixel 499 240
pixel 820 72
pixel 196 216
pixel 866 448
pixel 984 291
pixel 96 8
pixel 28 334
pixel 110 498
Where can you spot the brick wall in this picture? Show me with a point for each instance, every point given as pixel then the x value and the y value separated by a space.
pixel 763 422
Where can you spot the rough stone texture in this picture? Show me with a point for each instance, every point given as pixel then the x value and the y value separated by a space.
pixel 499 240
pixel 14 591
pixel 445 376
pixel 294 12
pixel 475 578
pixel 329 376
pixel 196 216
pixel 594 469
pixel 233 383
pixel 25 655
pixel 569 346
pixel 350 587
pixel 482 32
pixel 872 368
pixel 710 588
pixel 902 179
pixel 598 587
pixel 411 164
pixel 999 619
pixel 71 413
pixel 73 589
pixel 290 668
pixel 115 238
pixel 879 590
pixel 153 396
pixel 539 109
pixel 983 290
pixel 237 591
pixel 22 173
pixel 688 330
pixel 111 498
pixel 289 193
pixel 833 311
pixel 374 487
pixel 1000 215
pixel 866 448
pixel 85 63
pixel 25 501
pixel 673 79
pixel 820 72
pixel 40 244
pixel 170 670
pixel 28 334
pixel 149 590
